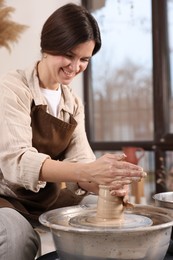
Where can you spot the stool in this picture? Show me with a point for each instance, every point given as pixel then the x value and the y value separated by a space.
pixel 46 241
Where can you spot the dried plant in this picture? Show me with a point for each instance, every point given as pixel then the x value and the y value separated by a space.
pixel 9 30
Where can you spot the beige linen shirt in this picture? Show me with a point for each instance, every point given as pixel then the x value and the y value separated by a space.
pixel 20 162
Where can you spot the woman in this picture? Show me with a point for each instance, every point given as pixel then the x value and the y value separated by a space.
pixel 43 139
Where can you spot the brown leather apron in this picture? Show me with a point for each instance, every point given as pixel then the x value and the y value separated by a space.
pixel 50 136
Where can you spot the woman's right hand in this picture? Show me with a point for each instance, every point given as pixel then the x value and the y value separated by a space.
pixel 113 170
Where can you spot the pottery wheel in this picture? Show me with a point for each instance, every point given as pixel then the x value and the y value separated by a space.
pixel 109 214
pixel 128 221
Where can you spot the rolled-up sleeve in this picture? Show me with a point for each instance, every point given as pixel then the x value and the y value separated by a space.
pixel 20 163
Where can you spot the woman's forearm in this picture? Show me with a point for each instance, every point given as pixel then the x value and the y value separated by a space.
pixel 107 170
pixel 57 171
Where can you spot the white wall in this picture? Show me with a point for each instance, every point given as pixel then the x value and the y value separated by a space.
pixel 32 13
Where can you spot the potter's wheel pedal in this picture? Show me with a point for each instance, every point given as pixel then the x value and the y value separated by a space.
pixel 128 221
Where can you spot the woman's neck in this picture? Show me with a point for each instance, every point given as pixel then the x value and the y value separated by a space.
pixel 44 82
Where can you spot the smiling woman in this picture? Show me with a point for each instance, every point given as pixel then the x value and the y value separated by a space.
pixel 43 137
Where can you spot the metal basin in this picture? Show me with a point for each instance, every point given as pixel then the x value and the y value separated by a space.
pixel 109 242
pixel 164 199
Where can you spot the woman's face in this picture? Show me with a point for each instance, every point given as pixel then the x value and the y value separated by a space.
pixel 62 69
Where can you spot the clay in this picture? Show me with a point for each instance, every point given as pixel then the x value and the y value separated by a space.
pixel 108 206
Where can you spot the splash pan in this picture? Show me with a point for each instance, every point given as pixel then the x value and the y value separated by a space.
pixel 76 236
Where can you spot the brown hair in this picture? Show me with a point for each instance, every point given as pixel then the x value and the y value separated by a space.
pixel 67 27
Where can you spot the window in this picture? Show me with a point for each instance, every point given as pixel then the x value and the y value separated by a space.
pixel 128 87
pixel 122 73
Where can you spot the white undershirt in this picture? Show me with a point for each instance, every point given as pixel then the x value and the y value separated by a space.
pixel 53 98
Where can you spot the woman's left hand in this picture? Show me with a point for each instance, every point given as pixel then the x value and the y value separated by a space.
pixel 119 188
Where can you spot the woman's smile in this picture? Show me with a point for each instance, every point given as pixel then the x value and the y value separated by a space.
pixel 69 74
